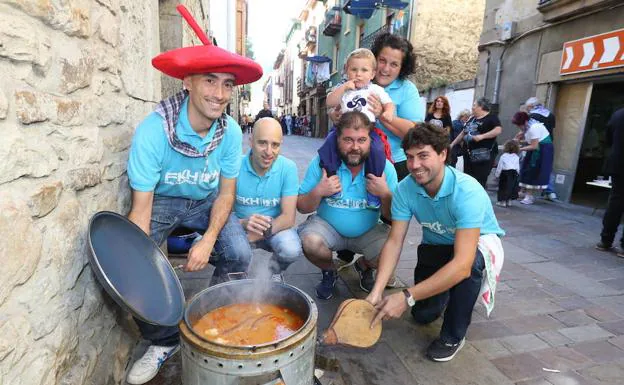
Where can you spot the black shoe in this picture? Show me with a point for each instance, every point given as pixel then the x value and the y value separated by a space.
pixel 345 255
pixel 217 279
pixel 602 246
pixel 442 351
pixel 325 288
pixel 367 277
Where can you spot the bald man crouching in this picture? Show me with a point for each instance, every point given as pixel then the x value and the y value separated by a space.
pixel 266 197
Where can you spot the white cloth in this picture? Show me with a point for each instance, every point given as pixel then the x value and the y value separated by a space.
pixel 491 248
pixel 508 161
pixel 356 100
pixel 322 72
pixel 536 130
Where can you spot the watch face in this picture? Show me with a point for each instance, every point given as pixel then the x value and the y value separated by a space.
pixel 408 297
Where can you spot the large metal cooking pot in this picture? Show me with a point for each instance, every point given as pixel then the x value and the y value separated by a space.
pixel 121 253
pixel 290 360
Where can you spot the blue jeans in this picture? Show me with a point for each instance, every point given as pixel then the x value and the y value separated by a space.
pixel 231 251
pixel 459 301
pixel 286 248
pixel 551 185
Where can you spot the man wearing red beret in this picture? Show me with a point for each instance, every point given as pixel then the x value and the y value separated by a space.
pixel 184 161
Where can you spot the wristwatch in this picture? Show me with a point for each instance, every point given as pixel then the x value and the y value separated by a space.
pixel 408 297
pixel 268 232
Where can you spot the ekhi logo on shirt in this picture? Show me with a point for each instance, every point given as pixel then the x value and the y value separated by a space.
pixel 593 53
pixel 251 201
pixel 190 177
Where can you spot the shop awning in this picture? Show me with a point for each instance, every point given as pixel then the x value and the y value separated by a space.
pixel 365 8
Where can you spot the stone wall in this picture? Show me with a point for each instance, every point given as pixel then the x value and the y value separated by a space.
pixel 445 35
pixel 75 80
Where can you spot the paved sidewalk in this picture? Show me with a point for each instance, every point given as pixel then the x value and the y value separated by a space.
pixel 559 315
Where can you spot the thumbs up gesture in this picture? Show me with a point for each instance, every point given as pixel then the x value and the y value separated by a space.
pixel 328 186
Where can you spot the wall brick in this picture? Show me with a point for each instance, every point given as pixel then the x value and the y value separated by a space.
pixel 69 16
pixel 76 80
pixel 45 199
pixel 4 105
pixel 21 247
pixel 21 41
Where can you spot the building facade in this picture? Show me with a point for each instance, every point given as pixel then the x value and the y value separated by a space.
pixel 444 35
pixel 568 53
pixel 243 93
pixel 340 32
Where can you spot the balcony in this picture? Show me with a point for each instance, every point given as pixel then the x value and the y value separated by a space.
pixel 310 36
pixel 367 41
pixel 333 21
pixel 302 49
pixel 554 10
pixel 302 89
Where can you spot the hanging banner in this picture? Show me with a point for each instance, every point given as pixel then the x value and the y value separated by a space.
pixel 593 53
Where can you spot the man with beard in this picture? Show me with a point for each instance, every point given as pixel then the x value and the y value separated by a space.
pixel 345 222
pixel 461 252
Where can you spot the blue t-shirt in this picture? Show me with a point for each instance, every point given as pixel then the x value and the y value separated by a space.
pixel 347 215
pixel 406 99
pixel 262 194
pixel 155 166
pixel 461 203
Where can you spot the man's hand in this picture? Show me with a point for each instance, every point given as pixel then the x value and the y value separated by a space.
pixel 199 254
pixel 374 298
pixel 392 306
pixel 477 138
pixel 387 116
pixel 328 186
pixel 253 237
pixel 257 224
pixel 374 104
pixel 377 185
pixel 335 114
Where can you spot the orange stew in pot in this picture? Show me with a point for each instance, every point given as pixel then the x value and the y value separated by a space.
pixel 248 324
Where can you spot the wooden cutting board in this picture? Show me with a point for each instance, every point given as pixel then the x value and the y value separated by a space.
pixel 351 325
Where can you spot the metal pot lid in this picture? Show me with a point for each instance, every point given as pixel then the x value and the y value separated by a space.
pixel 134 271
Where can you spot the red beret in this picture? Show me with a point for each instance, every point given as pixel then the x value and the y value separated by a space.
pixel 206 58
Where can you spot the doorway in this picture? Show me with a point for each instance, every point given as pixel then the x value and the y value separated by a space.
pixel 605 99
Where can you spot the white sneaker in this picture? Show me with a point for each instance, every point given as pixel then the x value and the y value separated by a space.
pixel 528 200
pixel 146 367
pixel 278 277
pixel 501 204
pixel 394 282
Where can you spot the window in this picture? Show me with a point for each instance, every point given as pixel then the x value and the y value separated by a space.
pixel 360 35
pixel 389 17
pixel 335 57
pixel 347 19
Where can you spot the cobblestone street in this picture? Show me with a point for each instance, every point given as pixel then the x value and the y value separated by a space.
pixel 559 315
